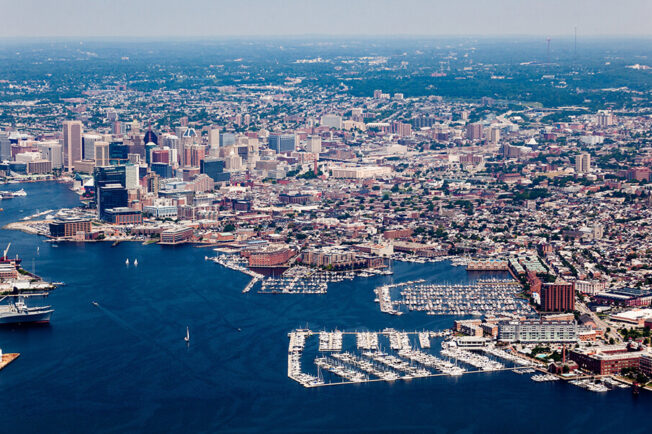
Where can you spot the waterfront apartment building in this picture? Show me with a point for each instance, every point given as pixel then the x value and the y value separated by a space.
pixel 557 297
pixel 176 236
pixel 69 228
pixel 72 143
pixel 606 360
pixel 124 216
pixel 645 364
pixel 533 331
pixel 327 256
pixel 161 211
pixel 271 256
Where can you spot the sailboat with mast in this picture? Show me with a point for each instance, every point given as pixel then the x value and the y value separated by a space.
pixel 187 337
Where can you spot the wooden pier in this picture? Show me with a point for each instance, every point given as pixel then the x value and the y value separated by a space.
pixel 7 358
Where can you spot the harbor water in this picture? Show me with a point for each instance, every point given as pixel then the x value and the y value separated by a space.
pixel 122 365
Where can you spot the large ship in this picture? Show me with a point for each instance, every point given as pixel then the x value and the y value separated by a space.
pixel 19 313
pixel 4 259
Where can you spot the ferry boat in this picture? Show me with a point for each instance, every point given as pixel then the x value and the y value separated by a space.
pixel 19 313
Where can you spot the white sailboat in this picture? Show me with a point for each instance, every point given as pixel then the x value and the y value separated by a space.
pixel 136 262
pixel 187 338
pixel 127 261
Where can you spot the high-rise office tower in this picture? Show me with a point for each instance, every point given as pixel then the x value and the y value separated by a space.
pixel 227 139
pixel 214 168
pixel 214 141
pixel 112 196
pixel 5 146
pixel 101 153
pixel 53 152
pixel 282 143
pixel 88 145
pixel 72 143
pixel 131 176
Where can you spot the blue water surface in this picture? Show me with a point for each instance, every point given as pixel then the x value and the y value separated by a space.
pixel 124 367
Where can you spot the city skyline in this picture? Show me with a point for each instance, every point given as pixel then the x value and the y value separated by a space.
pixel 202 19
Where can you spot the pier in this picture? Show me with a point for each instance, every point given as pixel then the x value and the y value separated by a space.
pixel 251 284
pixel 7 358
pixel 401 362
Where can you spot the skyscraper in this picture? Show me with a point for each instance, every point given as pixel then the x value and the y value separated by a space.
pixel 5 146
pixel 88 145
pixel 214 168
pixel 72 143
pixel 214 141
pixel 131 177
pixel 101 153
pixel 112 196
pixel 53 152
pixel 282 143
pixel 227 139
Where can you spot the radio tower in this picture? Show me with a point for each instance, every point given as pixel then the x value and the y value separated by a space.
pixel 575 43
pixel 548 50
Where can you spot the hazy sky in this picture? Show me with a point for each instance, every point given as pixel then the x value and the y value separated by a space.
pixel 205 18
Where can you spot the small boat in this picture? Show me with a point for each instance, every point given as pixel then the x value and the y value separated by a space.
pixel 95 303
pixel 136 262
pixel 187 338
pixel 127 261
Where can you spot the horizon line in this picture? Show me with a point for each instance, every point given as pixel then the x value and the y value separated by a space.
pixel 326 36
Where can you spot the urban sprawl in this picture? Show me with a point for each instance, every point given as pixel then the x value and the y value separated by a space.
pixel 301 188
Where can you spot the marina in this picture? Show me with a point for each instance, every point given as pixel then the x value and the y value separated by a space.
pixel 403 360
pixel 476 360
pixel 295 280
pixel 489 297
